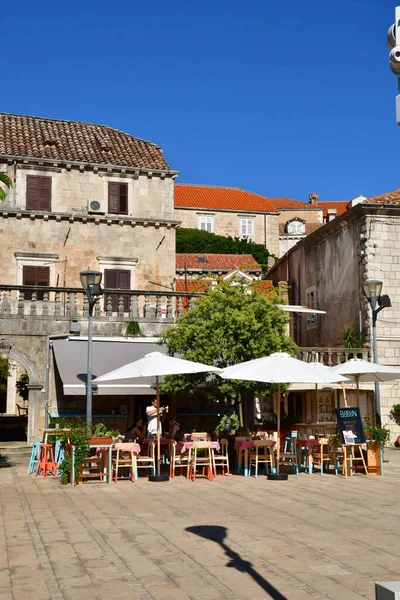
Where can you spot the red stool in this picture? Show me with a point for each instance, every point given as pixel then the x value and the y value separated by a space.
pixel 46 462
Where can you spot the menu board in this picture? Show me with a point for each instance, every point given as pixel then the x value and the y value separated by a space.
pixel 350 425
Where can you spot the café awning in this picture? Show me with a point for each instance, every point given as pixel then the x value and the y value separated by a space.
pixel 108 354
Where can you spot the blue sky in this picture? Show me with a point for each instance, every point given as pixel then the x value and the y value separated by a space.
pixel 278 97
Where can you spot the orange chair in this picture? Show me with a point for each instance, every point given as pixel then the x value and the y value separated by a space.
pixel 46 462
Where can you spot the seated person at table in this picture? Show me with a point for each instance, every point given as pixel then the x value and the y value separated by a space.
pixel 136 430
pixel 175 430
pixel 151 413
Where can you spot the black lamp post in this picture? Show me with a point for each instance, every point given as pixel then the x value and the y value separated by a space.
pixel 372 289
pixel 90 281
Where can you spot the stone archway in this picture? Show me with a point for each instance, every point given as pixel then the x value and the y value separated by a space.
pixel 35 386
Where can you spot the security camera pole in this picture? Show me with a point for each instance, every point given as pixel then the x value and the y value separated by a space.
pixel 393 44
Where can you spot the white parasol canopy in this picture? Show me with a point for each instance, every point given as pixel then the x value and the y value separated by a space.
pixel 156 364
pixel 363 371
pixel 279 368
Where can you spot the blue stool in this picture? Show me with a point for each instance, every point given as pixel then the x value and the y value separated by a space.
pixel 34 457
pixel 58 454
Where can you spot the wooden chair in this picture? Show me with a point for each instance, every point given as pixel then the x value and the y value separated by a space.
pixel 222 459
pixel 239 451
pixel 205 462
pixel 263 455
pixel 350 457
pixel 289 454
pixel 322 456
pixel 147 461
pixel 179 461
pixel 125 457
pixel 201 436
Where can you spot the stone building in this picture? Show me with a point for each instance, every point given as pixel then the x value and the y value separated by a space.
pixel 229 212
pixel 326 269
pixel 83 196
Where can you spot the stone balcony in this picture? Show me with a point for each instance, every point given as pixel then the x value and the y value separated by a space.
pixel 331 356
pixel 48 309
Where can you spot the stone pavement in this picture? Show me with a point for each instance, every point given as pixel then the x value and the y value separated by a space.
pixel 238 538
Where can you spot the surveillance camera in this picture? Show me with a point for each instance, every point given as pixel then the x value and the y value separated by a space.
pixel 394 58
pixel 391 37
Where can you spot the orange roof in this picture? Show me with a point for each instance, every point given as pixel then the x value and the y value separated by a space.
pixel 310 228
pixel 217 262
pixel 220 198
pixel 339 205
pixel 282 203
pixel 260 286
pixel 388 198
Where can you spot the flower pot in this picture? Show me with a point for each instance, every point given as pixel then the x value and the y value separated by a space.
pixel 100 441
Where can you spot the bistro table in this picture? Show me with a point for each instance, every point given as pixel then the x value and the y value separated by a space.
pixel 186 445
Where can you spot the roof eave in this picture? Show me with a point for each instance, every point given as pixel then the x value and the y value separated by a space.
pixel 234 210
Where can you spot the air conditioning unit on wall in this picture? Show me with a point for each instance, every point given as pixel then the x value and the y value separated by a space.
pixel 97 206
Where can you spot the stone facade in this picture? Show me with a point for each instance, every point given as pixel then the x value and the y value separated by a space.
pixel 329 267
pixel 227 223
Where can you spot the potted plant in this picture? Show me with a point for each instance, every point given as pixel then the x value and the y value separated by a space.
pixel 377 438
pixel 101 435
pixel 395 413
pixel 77 437
pixel 227 426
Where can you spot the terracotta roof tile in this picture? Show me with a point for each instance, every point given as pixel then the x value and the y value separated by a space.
pixel 388 198
pixel 282 203
pixel 217 262
pixel 36 137
pixel 201 285
pixel 210 197
pixel 310 228
pixel 339 205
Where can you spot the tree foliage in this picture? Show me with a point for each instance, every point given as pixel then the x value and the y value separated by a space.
pixel 7 181
pixel 4 373
pixel 196 240
pixel 226 326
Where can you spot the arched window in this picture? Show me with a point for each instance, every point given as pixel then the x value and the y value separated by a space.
pixel 295 228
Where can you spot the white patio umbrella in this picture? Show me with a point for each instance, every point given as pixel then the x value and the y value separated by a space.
pixel 279 368
pixel 366 372
pixel 156 364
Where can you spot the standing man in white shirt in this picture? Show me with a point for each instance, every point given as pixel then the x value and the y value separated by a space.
pixel 151 413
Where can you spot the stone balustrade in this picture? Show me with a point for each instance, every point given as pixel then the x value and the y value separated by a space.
pixel 55 303
pixel 332 356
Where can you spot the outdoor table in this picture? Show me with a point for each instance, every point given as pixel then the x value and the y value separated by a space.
pixel 185 446
pixel 245 445
pixel 310 444
pixel 53 431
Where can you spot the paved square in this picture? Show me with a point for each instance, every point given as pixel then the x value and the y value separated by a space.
pixel 238 538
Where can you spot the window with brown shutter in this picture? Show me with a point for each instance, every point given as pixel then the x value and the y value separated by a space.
pixel 117 279
pixel 35 276
pixel 118 198
pixel 38 193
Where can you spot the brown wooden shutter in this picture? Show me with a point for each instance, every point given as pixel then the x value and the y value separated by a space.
pixel 35 276
pixel 123 198
pixel 38 193
pixel 113 198
pixel 32 192
pixel 117 279
pixel 45 193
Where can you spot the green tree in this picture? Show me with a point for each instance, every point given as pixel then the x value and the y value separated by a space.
pixel 7 181
pixel 226 326
pixel 198 241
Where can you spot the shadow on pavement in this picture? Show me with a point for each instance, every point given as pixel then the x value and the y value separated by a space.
pixel 218 534
pixel 4 462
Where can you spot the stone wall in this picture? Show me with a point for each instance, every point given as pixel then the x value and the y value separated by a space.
pixel 309 215
pixel 227 223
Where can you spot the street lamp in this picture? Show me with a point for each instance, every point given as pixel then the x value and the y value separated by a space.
pixel 90 281
pixel 372 289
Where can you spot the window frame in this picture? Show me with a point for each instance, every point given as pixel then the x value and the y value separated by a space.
pixel 311 302
pixel 295 225
pixel 44 205
pixel 248 221
pixel 121 185
pixel 208 218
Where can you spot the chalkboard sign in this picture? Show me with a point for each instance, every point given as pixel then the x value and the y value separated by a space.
pixel 350 425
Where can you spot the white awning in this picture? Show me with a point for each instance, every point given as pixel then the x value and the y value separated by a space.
pixel 108 354
pixel 301 309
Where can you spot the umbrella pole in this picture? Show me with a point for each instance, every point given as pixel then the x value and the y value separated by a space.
pixel 158 427
pixel 357 377
pixel 278 417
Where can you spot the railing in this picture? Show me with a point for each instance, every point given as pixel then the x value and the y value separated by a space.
pixel 27 301
pixel 331 356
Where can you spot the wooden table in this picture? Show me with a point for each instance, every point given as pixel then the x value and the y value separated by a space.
pixel 310 444
pixel 53 431
pixel 107 448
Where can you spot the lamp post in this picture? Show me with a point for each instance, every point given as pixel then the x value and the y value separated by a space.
pixel 372 289
pixel 90 281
